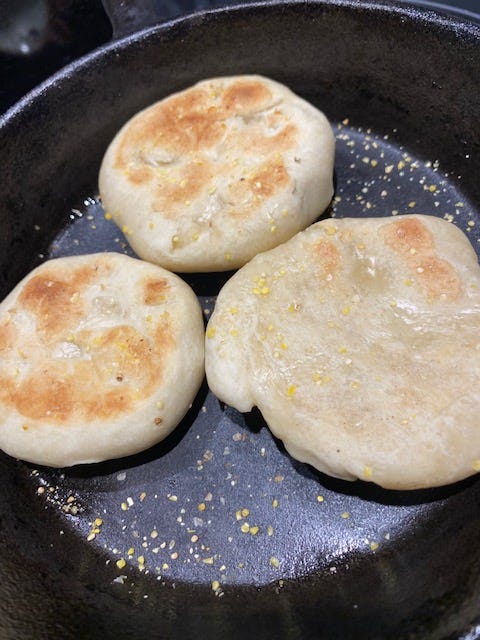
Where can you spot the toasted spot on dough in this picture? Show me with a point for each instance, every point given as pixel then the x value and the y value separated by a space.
pixel 437 278
pixel 326 254
pixel 68 389
pixel 271 177
pixel 201 178
pixel 8 333
pixel 183 124
pixel 371 379
pixel 245 96
pixel 409 234
pixel 49 296
pixel 170 195
pixel 413 240
pixel 85 368
pixel 155 291
pixel 264 182
pixel 255 140
pixel 139 175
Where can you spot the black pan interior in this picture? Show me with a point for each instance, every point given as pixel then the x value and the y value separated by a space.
pixel 218 530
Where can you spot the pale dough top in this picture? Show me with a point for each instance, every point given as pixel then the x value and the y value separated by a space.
pixel 359 341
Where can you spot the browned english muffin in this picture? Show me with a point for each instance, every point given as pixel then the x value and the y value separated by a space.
pixel 206 178
pixel 101 356
pixel 359 341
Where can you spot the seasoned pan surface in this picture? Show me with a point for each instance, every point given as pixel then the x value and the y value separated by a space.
pixel 218 530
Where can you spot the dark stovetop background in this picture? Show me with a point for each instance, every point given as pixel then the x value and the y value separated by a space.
pixel 38 37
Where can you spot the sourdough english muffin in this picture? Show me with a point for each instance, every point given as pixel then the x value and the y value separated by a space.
pixel 210 176
pixel 359 342
pixel 100 357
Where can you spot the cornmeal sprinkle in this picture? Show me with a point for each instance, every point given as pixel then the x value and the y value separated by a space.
pixel 367 472
pixel 211 331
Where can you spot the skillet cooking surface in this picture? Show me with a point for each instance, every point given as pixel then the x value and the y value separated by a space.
pixel 217 529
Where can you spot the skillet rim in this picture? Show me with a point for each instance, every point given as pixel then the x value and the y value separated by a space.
pixel 408 10
pixel 453 20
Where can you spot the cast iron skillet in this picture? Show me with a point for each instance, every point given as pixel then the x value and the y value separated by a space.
pixel 218 529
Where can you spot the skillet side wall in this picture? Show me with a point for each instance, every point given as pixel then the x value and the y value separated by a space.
pixel 381 69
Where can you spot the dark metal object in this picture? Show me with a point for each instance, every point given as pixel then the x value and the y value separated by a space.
pixel 406 79
pixel 38 37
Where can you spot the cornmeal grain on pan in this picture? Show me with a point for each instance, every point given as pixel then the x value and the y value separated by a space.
pixel 100 357
pixel 210 176
pixel 359 341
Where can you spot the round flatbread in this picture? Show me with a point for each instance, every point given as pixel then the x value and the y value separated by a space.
pixel 359 341
pixel 207 178
pixel 100 357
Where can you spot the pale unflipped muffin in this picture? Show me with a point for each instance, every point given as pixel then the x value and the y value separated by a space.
pixel 208 177
pixel 100 357
pixel 359 341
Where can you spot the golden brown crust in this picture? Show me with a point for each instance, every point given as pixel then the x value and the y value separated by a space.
pixel 327 256
pixel 189 125
pixel 123 365
pixel 89 342
pixel 411 239
pixel 187 172
pixel 55 301
pixel 155 291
